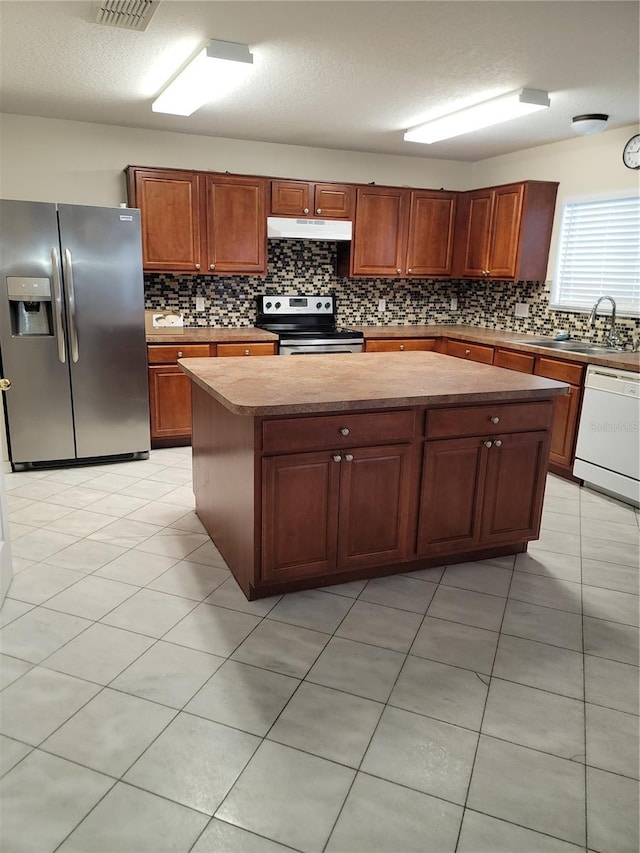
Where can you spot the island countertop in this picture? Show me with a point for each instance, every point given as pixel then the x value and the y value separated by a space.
pixel 329 383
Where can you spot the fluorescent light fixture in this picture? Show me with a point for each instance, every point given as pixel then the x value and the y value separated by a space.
pixel 212 72
pixel 487 113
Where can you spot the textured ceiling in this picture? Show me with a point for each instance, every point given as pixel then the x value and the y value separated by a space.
pixel 344 75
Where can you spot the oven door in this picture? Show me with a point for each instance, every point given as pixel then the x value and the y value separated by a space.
pixel 319 347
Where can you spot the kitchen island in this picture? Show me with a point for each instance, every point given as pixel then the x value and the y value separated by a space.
pixel 311 472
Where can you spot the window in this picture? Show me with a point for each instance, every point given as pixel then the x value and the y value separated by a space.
pixel 599 255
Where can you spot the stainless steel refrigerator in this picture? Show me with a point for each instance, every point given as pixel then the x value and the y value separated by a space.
pixel 72 335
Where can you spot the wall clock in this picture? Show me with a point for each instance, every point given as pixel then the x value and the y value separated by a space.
pixel 631 153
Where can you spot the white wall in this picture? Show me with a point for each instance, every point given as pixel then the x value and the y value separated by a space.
pixel 81 163
pixel 584 165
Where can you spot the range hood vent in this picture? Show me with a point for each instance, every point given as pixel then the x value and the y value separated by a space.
pixel 280 228
pixel 125 14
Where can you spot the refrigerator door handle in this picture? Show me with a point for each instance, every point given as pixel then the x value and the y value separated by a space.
pixel 57 306
pixel 71 305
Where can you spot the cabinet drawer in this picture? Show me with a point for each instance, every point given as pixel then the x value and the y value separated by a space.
pixel 401 345
pixel 488 420
pixel 245 349
pixel 564 371
pixel 165 354
pixel 514 360
pixel 327 432
pixel 472 352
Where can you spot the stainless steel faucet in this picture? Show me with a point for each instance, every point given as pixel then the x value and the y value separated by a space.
pixel 611 339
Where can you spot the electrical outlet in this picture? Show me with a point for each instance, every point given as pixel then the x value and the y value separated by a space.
pixel 382 305
pixel 454 303
pixel 199 303
pixel 522 309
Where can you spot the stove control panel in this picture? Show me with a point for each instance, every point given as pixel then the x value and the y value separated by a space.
pixel 276 305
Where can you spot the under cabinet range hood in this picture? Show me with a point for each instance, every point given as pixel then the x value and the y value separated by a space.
pixel 280 228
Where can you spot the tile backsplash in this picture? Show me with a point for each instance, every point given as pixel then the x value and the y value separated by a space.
pixel 302 266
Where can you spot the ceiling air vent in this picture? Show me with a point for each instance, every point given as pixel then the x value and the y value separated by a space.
pixel 126 14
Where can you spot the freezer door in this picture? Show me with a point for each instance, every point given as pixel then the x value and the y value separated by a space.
pixel 38 406
pixel 102 265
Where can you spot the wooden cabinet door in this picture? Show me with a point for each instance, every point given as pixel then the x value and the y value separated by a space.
pixel 379 241
pixel 291 198
pixel 169 203
pixel 473 232
pixel 430 241
pixel 504 243
pixel 514 487
pixel 236 224
pixel 375 493
pixel 300 515
pixel 565 427
pixel 452 480
pixel 169 402
pixel 333 201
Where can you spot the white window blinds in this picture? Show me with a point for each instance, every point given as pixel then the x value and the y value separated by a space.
pixel 599 254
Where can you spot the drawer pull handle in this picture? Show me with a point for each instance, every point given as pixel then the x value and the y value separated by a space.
pixel 349 457
pixel 345 430
pixel 402 346
pixel 179 353
pixel 487 443
pixel 495 420
pixel 497 443
pixel 247 352
pixel 467 351
pixel 337 458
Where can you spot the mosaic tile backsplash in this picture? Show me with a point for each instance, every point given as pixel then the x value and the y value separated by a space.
pixel 302 266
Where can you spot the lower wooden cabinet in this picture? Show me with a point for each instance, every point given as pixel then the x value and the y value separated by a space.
pixel 481 491
pixel 567 410
pixel 329 512
pixel 170 389
pixel 170 403
pixel 401 345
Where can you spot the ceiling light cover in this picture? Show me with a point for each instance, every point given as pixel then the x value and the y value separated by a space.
pixel 211 73
pixel 485 114
pixel 589 123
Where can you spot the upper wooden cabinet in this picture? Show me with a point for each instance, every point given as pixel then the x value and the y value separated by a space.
pixel 504 232
pixel 301 198
pixel 200 221
pixel 402 233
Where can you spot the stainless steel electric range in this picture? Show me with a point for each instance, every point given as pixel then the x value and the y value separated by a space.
pixel 306 325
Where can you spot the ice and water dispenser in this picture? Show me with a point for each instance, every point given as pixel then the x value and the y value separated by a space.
pixel 30 306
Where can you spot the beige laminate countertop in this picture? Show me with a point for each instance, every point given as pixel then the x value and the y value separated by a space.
pixel 212 335
pixel 351 382
pixel 501 338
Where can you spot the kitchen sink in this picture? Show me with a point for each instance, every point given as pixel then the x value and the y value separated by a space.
pixel 566 346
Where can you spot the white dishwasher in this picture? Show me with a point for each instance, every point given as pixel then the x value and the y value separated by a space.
pixel 608 448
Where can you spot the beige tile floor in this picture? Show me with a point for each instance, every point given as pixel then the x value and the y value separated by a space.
pixel 147 706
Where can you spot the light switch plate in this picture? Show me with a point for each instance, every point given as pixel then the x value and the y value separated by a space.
pixel 454 303
pixel 522 309
pixel 382 305
pixel 199 303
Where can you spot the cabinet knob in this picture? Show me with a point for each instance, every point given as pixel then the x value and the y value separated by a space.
pixel 467 351
pixel 495 420
pixel 398 270
pixel 497 443
pixel 337 458
pixel 486 272
pixel 197 266
pixel 179 353
pixel 401 346
pixel 345 430
pixel 410 270
pixel 318 211
pixel 487 443
pixel 247 352
pixel 305 210
pixel 212 266
pixel 348 457
pixel 5 384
